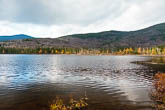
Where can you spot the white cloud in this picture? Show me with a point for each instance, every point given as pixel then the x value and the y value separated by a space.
pixel 54 18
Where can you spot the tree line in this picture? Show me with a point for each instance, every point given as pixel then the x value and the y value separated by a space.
pixel 85 51
pixel 52 51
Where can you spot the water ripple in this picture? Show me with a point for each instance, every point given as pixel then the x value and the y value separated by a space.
pixel 111 78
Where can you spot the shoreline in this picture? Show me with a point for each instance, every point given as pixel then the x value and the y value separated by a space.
pixel 91 55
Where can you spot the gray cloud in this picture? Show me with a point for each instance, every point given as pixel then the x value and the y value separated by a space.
pixel 60 11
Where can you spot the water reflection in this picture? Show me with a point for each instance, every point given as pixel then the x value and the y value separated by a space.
pixel 106 79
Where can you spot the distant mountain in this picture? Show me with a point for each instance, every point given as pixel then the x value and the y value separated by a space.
pixel 15 37
pixel 151 36
pixel 148 37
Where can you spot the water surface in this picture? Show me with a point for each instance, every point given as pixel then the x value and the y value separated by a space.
pixel 31 82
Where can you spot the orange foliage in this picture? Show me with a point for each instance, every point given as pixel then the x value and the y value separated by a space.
pixel 159 94
pixel 40 51
pixel 160 82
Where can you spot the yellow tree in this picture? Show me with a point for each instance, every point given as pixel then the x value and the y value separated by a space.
pixel 120 52
pixel 52 51
pixel 130 50
pixel 40 51
pixel 62 52
pixel 153 51
pixel 163 52
pixel 158 51
pixel 3 51
pixel 107 51
pixel 143 51
pixel 124 51
pixel 139 50
pixel 127 50
pixel 147 51
pixel 57 51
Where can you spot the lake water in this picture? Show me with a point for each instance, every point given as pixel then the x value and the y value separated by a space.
pixel 31 82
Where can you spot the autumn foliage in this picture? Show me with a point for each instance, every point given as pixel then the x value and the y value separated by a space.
pixel 59 104
pixel 158 95
pixel 85 51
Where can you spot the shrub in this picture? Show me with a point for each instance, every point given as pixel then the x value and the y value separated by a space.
pixel 158 95
pixel 58 104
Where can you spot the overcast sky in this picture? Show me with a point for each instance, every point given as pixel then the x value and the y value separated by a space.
pixel 54 18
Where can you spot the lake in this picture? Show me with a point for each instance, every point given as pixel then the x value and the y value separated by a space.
pixel 32 82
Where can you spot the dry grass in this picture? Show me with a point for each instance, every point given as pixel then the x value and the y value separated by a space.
pixel 158 95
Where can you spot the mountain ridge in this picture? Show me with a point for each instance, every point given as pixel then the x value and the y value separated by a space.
pixel 147 37
pixel 116 31
pixel 15 37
